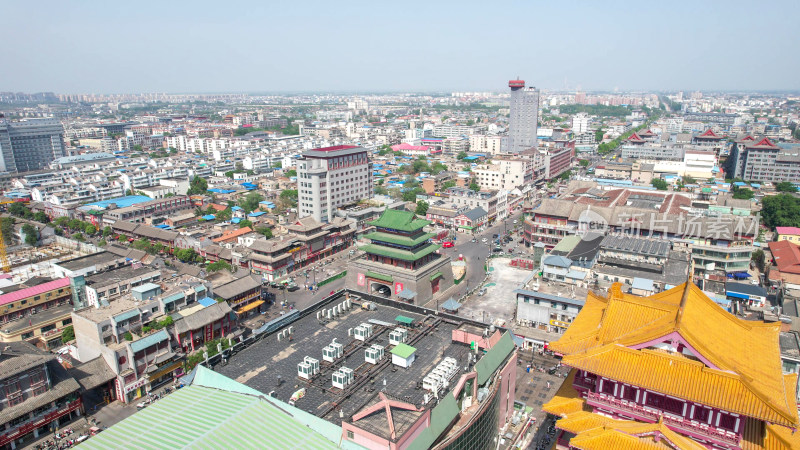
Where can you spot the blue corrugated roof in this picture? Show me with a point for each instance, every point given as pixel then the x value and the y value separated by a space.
pixel 236 208
pixel 207 301
pixel 209 217
pixel 149 341
pixel 642 283
pixel 121 202
pixel 236 220
pixel 256 214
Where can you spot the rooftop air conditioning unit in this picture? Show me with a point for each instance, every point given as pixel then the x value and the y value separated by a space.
pixel 313 362
pixel 328 354
pixel 338 349
pixel 304 370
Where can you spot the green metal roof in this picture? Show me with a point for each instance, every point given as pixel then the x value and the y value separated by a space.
pixel 173 297
pixel 379 276
pixel 126 315
pixel 396 219
pixel 399 240
pixel 200 288
pixel 403 350
pixel 208 418
pixel 405 255
pixel 149 340
pixel 436 275
pixel 404 319
pixel 493 358
pixel 441 418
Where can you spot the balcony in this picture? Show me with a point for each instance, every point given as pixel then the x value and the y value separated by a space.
pixel 679 424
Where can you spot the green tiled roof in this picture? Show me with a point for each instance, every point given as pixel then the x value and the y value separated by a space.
pixel 173 297
pixel 397 253
pixel 149 340
pixel 441 418
pixel 436 275
pixel 494 357
pixel 208 418
pixel 396 219
pixel 379 276
pixel 403 350
pixel 399 240
pixel 126 315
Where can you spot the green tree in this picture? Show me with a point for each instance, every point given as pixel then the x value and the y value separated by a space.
pixel 41 217
pixel 419 166
pixel 102 243
pixel 598 135
pixel 229 174
pixel 437 168
pixel 785 186
pixel 245 223
pixel 461 156
pixel 742 193
pixel 62 222
pixel 688 180
pixel 583 162
pixel 422 208
pixel 759 259
pixel 58 231
pixel 107 231
pixel 122 238
pixel 782 210
pixel 7 226
pixel 266 231
pixel 197 186
pixel 31 234
pixel 251 201
pixel 659 184
pixel 217 266
pixel 18 209
pixel 75 225
pixel 90 229
pixel 474 186
pixel 186 254
pixel 410 194
pixel 291 173
pixel 278 165
pixel 67 334
pixel 289 196
pixel 380 190
pixel 448 184
pixel 127 336
pixel 78 237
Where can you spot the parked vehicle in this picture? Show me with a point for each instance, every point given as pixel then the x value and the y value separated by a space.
pixel 447 244
pixel 482 292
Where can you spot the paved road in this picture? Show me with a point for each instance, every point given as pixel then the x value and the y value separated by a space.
pixel 475 253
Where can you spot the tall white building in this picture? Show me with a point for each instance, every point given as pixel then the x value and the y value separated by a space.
pixel 331 177
pixel 580 123
pixel 30 144
pixel 524 117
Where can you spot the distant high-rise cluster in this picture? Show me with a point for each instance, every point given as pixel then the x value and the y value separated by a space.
pixel 524 116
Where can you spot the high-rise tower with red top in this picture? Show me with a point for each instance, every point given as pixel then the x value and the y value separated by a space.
pixel 524 116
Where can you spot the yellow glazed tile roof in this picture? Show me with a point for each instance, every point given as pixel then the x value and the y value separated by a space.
pixel 749 378
pixel 597 432
pixel 567 400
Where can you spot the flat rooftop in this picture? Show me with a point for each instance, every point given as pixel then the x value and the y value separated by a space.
pixel 264 363
pixel 118 275
pixel 88 260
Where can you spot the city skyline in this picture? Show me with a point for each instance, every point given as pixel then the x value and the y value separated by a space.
pixel 178 48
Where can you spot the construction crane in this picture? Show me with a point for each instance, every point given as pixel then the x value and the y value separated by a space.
pixel 3 256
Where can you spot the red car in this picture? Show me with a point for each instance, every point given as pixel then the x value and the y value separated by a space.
pixel 447 244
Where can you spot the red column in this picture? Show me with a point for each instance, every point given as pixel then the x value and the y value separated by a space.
pixel 191 337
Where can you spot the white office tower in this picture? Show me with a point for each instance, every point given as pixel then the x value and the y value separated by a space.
pixel 524 117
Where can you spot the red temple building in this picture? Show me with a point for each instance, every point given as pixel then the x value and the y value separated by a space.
pixel 672 370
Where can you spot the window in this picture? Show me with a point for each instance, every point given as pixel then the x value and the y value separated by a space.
pixel 608 387
pixel 630 393
pixel 727 421
pixel 701 413
pixel 350 435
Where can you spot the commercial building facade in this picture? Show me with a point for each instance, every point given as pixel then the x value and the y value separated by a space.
pixel 331 177
pixel 30 144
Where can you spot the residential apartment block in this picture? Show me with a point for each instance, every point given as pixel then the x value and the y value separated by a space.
pixel 30 144
pixel 330 177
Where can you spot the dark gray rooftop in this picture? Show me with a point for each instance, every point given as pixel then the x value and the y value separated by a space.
pixel 640 246
pixel 88 260
pixel 262 364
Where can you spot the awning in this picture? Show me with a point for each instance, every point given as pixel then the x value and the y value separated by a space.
pixel 436 275
pixel 165 370
pixel 451 305
pixel 250 306
pixel 379 276
pixel 737 295
pixel 407 294
pixel 404 319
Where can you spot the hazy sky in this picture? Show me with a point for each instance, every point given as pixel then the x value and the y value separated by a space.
pixel 229 46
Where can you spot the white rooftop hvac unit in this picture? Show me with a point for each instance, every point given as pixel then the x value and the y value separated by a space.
pixel 363 331
pixel 441 375
pixel 313 362
pixel 338 348
pixel 374 354
pixel 342 377
pixel 328 354
pixel 304 370
pixel 398 335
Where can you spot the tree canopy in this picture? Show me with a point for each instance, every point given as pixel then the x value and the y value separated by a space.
pixel 785 186
pixel 422 208
pixel 197 186
pixel 782 210
pixel 659 184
